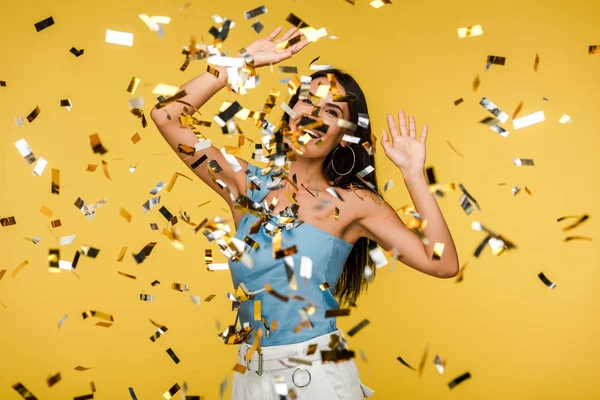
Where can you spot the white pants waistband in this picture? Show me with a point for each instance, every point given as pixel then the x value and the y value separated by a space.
pixel 276 357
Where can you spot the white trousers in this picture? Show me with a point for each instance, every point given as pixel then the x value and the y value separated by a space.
pixel 282 377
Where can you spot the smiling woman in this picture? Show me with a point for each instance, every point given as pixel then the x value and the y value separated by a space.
pixel 321 169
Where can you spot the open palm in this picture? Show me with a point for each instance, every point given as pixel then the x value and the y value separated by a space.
pixel 404 149
pixel 264 51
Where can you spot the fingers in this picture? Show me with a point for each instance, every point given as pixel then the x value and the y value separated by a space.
pixel 274 34
pixel 402 123
pixel 423 134
pixel 385 140
pixel 392 126
pixel 412 127
pixel 287 35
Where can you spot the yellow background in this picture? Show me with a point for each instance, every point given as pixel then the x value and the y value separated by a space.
pixel 517 338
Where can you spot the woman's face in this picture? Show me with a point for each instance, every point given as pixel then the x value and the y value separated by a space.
pixel 329 113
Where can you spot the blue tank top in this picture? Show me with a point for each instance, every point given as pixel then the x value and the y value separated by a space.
pixel 328 254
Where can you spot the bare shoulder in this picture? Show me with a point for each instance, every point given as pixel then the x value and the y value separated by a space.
pixel 363 202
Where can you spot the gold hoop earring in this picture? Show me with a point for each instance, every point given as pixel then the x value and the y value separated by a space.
pixel 353 160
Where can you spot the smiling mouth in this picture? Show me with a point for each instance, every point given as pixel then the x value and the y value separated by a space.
pixel 312 133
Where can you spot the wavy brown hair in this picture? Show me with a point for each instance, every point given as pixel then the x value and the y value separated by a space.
pixel 352 281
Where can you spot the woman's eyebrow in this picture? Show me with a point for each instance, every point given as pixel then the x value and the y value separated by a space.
pixel 335 106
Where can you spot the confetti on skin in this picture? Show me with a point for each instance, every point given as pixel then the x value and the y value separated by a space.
pixel 452 384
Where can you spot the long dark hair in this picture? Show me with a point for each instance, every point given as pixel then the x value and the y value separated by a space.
pixel 352 282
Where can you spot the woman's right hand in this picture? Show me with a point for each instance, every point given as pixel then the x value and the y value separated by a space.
pixel 264 51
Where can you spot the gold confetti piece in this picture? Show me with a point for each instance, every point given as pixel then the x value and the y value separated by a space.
pixel 122 254
pixel 43 24
pixel 40 166
pixel 378 3
pixel 378 256
pixel 460 275
pixel 458 101
pixel 173 356
pixel 80 368
pixel 92 167
pixel 125 214
pixel 459 379
pixel 336 214
pixel 19 268
pixel 257 315
pixel 104 324
pixel 19 387
pixel 116 37
pixel 491 107
pixel 467 201
pixel 93 386
pixel 153 226
pixel 174 178
pixel 133 85
pixel 97 314
pixel 358 327
pixel 56 223
pixel 46 211
pixel 476 83
pixel 470 31
pixel 212 70
pixel 33 115
pixel 136 138
pixel 536 62
pixel 594 49
pixel 288 70
pixel 53 379
pixel 580 220
pixel 517 110
pixel 404 363
pixel 274 293
pixel 105 168
pixel 127 275
pixel 76 53
pixel 2 272
pixel 67 102
pixel 255 12
pixel 529 120
pixel 97 146
pixel 147 297
pixel 8 221
pixel 523 162
pixel 438 250
pixel 569 238
pixel 334 313
pixel 494 60
pixel 565 118
pixel 171 392
pixel 240 369
pixel 3 83
pixel 180 287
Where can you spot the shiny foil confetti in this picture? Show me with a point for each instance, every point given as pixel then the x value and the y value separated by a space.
pixel 536 63
pixel 8 221
pixel 2 272
pixel 517 110
pixel 404 363
pixel 580 220
pixel 566 118
pixel 467 201
pixel 19 268
pixel 496 60
pixel 438 250
pixel 378 256
pixel 476 83
pixel 458 101
pixel 422 362
pixel 173 356
pixel 125 214
pixel 25 151
pixel 470 31
pixel 334 313
pixel 171 392
pixel 528 120
pixel 358 327
pixel 133 85
pixel 96 144
pixel 491 122
pixel 127 275
pixel 255 12
pixel 23 391
pixel 136 138
pixel 43 24
pixel 55 185
pixel 519 162
pixel 46 211
pixel 440 364
pixel 53 379
pixel 452 384
pixel 147 297
pixel 122 254
pixel 66 104
pixel 117 37
pixel 76 52
pixel 81 368
pixel 594 49
pixel 40 166
pixel 491 107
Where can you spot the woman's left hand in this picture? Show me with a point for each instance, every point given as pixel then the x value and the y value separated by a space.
pixel 404 149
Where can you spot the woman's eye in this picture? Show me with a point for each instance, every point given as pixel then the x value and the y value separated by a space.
pixel 332 112
pixel 307 101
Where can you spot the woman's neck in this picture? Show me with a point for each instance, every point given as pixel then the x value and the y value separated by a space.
pixel 309 172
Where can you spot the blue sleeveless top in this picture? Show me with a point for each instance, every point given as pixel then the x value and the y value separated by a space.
pixel 328 254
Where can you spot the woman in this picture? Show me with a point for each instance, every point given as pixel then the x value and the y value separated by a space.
pixel 308 226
